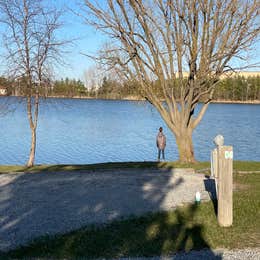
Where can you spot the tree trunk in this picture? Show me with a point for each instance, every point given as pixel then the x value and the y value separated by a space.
pixel 185 146
pixel 33 125
pixel 30 162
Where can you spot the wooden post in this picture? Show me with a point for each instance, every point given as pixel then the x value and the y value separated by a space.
pixel 225 186
pixel 214 168
pixel 214 162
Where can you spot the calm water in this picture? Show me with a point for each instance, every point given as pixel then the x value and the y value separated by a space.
pixel 92 131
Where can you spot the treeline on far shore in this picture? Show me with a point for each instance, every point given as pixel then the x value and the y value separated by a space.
pixel 236 88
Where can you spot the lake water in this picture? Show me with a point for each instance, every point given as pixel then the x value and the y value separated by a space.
pixel 74 131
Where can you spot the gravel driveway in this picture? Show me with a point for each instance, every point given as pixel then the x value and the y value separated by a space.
pixel 32 205
pixel 207 254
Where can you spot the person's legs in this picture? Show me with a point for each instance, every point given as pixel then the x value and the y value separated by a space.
pixel 163 154
pixel 159 154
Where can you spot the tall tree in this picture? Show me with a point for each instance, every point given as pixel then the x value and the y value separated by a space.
pixel 180 47
pixel 31 44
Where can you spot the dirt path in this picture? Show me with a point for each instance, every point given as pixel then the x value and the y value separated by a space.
pixel 32 205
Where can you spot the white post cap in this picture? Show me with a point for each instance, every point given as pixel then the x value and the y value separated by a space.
pixel 219 140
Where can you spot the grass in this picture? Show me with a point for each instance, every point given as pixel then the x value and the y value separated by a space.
pixel 238 166
pixel 189 227
pixel 246 166
pixel 100 166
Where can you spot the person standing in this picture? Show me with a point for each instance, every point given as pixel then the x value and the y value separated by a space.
pixel 161 143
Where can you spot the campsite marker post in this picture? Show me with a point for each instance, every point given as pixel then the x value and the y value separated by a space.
pixel 223 172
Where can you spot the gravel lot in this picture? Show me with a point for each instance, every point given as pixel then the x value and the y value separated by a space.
pixel 245 254
pixel 32 205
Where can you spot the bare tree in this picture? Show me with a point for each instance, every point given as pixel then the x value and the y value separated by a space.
pixel 179 47
pixel 31 44
pixel 93 77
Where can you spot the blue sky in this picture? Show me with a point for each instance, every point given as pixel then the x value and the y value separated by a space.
pixel 91 40
pixel 85 40
pixel 88 40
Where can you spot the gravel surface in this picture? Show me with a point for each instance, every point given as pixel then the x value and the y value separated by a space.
pixel 245 254
pixel 32 205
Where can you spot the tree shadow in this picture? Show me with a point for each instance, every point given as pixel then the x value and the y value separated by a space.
pixel 36 205
pixel 147 165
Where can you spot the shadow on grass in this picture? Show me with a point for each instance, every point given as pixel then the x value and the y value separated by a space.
pixel 102 166
pixel 150 235
pixel 203 167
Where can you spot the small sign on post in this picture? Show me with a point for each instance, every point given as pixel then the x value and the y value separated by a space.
pixel 225 186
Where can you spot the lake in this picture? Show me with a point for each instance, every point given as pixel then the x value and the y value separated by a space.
pixel 77 131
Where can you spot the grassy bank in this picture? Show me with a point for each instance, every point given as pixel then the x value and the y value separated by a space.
pixel 190 227
pixel 238 166
pixel 100 166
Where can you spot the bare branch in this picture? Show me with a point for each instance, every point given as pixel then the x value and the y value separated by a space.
pixel 158 41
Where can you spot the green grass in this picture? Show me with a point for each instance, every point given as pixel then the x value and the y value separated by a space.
pixel 246 166
pixel 238 166
pixel 189 227
pixel 99 166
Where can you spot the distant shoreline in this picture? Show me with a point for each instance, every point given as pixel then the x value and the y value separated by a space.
pixel 132 98
pixel 257 102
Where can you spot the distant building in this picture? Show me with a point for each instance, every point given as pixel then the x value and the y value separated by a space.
pixel 3 91
pixel 244 74
pixel 232 74
pixel 247 74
